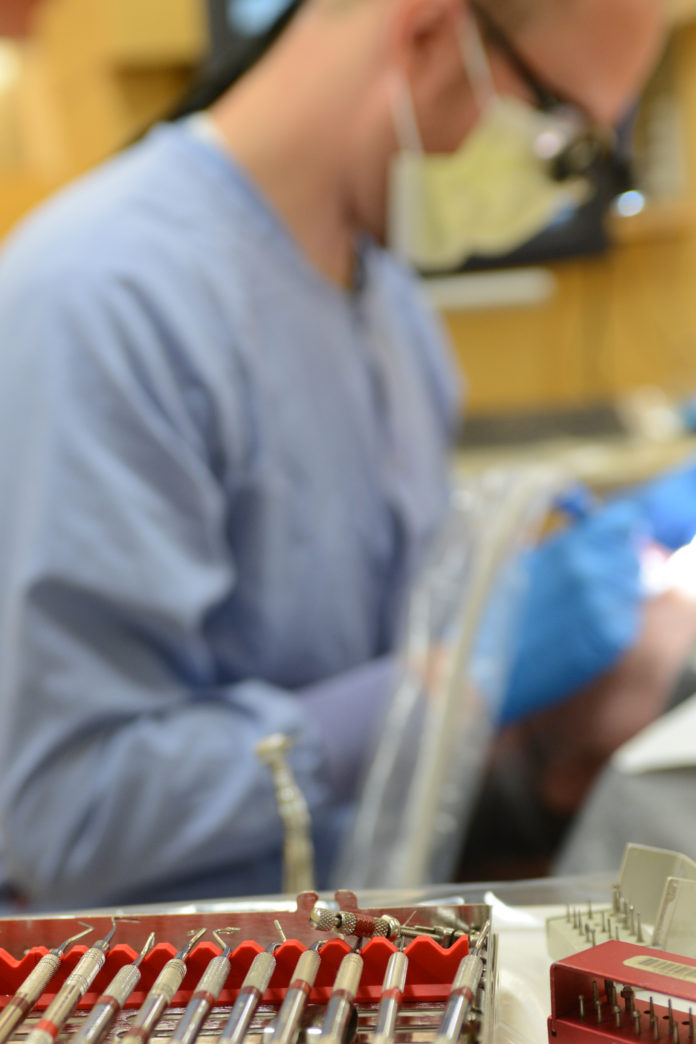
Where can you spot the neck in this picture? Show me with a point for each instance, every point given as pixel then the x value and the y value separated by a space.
pixel 288 124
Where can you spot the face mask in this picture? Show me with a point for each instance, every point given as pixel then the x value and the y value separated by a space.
pixel 488 197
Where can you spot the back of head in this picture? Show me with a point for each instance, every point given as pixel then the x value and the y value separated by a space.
pixel 218 76
pixel 604 33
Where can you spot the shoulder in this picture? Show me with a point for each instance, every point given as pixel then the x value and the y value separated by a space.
pixel 132 242
pixel 127 210
pixel 115 283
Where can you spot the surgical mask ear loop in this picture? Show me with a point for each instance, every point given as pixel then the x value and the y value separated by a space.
pixel 404 115
pixel 476 64
pixel 477 67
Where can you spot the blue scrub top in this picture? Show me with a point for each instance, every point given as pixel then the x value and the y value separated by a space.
pixel 218 473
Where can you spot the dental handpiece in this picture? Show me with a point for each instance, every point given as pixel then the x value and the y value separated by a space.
pixel 75 986
pixel 390 1001
pixel 161 994
pixel 341 1005
pixel 286 1026
pixel 463 993
pixel 34 985
pixel 368 926
pixel 110 1003
pixel 206 993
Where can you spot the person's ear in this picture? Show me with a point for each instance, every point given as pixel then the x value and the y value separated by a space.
pixel 424 36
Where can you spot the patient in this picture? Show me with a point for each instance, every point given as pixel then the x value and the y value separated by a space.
pixel 554 801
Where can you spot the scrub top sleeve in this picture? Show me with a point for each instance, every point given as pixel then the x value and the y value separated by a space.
pixel 122 761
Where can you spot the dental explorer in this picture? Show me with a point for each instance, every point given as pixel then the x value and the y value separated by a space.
pixel 161 994
pixel 206 993
pixel 341 1008
pixel 463 993
pixel 390 1001
pixel 252 990
pixel 34 985
pixel 110 1003
pixel 75 986
pixel 286 1025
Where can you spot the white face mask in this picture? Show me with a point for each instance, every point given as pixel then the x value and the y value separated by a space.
pixel 488 197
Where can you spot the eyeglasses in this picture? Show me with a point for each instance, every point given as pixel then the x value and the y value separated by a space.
pixel 583 148
pixel 546 99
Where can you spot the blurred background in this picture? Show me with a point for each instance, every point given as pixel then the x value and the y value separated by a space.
pixel 552 340
pixel 579 348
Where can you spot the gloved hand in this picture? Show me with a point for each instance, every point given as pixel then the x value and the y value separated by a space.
pixel 669 505
pixel 581 611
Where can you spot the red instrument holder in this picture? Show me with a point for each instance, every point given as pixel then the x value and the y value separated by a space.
pixel 431 969
pixel 640 967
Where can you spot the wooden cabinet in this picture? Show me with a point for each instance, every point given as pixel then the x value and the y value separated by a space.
pixel 618 321
pixel 120 34
pixel 16 17
pixel 112 67
pixel 95 73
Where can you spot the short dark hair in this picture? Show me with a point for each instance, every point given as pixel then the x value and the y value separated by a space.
pixel 512 14
pixel 214 79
